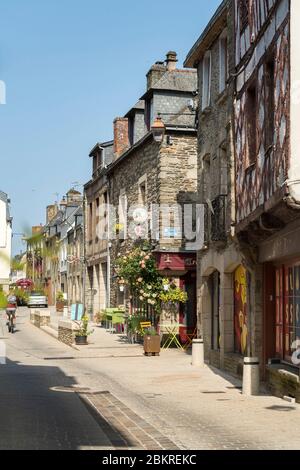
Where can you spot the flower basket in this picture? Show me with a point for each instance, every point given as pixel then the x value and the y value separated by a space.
pixel 152 345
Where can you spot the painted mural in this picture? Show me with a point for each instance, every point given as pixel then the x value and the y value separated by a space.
pixel 240 311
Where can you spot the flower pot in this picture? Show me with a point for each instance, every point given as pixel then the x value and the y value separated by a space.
pixel 81 340
pixel 60 306
pixel 152 345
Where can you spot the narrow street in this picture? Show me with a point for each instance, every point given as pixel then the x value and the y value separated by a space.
pixel 109 396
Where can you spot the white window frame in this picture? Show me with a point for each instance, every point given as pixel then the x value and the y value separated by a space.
pixel 206 80
pixel 142 182
pixel 123 212
pixel 223 61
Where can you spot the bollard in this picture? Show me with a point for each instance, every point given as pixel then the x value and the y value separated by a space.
pixel 251 376
pixel 198 353
pixel 66 312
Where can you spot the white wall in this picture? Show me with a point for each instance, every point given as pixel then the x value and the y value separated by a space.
pixel 5 245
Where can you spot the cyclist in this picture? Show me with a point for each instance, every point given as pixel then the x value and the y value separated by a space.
pixel 11 309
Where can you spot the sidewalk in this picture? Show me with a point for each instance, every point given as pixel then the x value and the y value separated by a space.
pixel 202 408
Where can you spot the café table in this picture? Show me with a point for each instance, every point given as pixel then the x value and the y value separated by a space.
pixel 171 331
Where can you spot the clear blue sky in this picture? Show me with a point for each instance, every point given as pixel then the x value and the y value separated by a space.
pixel 71 67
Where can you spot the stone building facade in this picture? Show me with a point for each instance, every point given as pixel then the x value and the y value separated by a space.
pixel 97 285
pixel 151 174
pixel 267 182
pixel 75 259
pixel 219 260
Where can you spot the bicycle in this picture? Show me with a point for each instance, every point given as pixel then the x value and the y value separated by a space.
pixel 11 320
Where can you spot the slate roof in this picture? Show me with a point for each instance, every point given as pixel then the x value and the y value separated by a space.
pixel 176 80
pixel 193 55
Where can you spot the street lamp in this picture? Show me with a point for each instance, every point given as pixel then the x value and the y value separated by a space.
pixel 158 130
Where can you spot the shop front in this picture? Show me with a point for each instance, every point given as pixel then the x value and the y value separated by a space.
pixel 281 257
pixel 180 268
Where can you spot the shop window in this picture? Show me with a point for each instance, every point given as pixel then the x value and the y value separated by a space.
pixel 287 311
pixel 214 284
pixel 240 311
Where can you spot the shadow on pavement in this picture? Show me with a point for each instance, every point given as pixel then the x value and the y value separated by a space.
pixel 37 416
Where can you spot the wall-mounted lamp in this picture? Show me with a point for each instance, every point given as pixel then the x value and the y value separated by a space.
pixel 158 130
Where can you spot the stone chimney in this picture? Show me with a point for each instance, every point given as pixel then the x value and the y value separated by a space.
pixel 171 61
pixel 51 212
pixel 36 229
pixel 121 138
pixel 155 73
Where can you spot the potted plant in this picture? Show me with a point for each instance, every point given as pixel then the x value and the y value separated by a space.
pixel 151 342
pixel 83 332
pixel 60 302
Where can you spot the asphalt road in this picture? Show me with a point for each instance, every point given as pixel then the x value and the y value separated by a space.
pixel 36 411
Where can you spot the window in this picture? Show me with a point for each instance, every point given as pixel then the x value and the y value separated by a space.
pixel 251 120
pixel 244 14
pixel 214 283
pixel 287 311
pixel 149 113
pixel 223 51
pixel 131 130
pixel 270 103
pixel 95 164
pixel 206 79
pixel 143 192
pixel 90 231
pixel 122 226
pixel 101 159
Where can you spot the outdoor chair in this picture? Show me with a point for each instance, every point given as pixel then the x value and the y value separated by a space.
pixel 144 325
pixel 190 336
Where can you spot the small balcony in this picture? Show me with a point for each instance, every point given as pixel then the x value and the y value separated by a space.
pixel 218 220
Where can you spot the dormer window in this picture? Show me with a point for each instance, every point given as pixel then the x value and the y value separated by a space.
pixel 149 113
pixel 131 130
pixel 98 161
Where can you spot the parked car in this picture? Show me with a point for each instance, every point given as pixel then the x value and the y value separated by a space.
pixel 37 300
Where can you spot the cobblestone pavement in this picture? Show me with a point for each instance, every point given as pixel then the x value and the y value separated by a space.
pixel 109 396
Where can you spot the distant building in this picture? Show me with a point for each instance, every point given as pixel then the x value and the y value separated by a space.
pixel 5 241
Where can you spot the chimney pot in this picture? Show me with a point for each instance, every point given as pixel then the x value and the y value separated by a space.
pixel 171 61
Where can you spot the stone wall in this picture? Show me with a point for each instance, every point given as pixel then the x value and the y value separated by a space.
pixel 170 174
pixel 40 317
pixel 66 332
pixel 282 382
